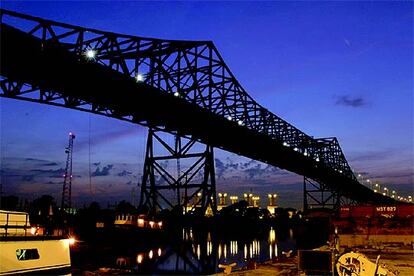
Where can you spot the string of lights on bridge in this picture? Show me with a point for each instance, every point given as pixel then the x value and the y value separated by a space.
pixel 378 188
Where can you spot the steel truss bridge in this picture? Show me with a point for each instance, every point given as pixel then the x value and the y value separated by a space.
pixel 179 87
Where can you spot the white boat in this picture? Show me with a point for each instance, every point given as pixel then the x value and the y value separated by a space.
pixel 24 252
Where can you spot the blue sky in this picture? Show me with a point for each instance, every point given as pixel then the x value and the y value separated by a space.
pixel 341 69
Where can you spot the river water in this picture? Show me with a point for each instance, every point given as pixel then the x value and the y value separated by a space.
pixel 194 252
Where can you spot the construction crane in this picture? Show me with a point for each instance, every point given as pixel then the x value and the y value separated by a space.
pixel 67 177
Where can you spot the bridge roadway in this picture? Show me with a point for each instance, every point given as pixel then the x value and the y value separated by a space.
pixel 50 67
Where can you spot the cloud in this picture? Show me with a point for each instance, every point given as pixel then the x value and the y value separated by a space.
pixel 104 172
pixel 108 137
pixel 28 178
pixel 124 173
pixel 371 156
pixel 50 164
pixel 347 100
pixel 41 162
pixel 228 169
pixel 49 173
pixel 395 175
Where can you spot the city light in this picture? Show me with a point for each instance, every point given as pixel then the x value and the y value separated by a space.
pixel 90 54
pixel 140 258
pixel 229 118
pixel 176 94
pixel 33 230
pixel 240 122
pixel 72 241
pixel 140 78
pixel 285 144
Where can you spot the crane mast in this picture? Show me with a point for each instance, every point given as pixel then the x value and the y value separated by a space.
pixel 67 177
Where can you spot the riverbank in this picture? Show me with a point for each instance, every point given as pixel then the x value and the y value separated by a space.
pixel 399 261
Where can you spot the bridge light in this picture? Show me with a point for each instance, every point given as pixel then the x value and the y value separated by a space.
pixel 285 144
pixel 295 149
pixel 90 54
pixel 240 122
pixel 317 159
pixel 139 78
pixel 340 171
pixel 176 94
pixel 229 118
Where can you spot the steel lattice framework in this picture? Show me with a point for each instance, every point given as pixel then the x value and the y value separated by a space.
pixel 67 177
pixel 188 71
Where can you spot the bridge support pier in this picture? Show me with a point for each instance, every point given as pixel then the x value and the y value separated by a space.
pixel 183 187
pixel 318 195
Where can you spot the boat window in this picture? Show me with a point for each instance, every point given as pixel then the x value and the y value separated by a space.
pixel 27 254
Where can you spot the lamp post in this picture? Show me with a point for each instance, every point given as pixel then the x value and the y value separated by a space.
pixel 222 198
pixel 255 200
pixel 272 199
pixel 234 199
pixel 248 198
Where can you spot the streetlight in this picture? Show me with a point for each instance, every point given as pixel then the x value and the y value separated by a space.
pixel 377 187
pixel 222 198
pixel 234 199
pixel 272 199
pixel 255 201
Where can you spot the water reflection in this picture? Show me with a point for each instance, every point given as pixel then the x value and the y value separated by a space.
pixel 200 253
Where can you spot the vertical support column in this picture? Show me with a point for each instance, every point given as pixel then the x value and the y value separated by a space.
pixel 318 195
pixel 305 196
pixel 189 186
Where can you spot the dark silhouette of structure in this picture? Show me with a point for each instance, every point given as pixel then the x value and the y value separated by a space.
pixel 180 87
pixel 67 177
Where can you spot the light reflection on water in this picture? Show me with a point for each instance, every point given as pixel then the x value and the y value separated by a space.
pixel 196 255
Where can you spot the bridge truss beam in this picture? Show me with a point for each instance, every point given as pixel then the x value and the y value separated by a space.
pixel 48 62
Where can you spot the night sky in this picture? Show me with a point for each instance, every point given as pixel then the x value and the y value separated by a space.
pixel 341 69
